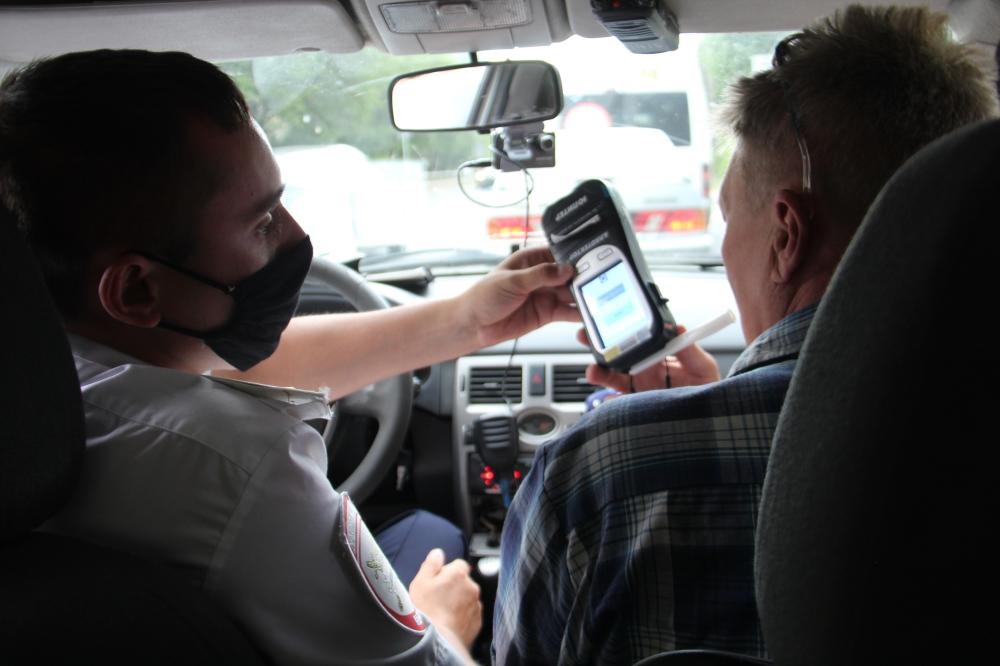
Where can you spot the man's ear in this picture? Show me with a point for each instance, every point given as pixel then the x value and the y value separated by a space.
pixel 792 217
pixel 128 293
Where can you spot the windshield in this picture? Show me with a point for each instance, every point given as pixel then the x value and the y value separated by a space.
pixel 361 188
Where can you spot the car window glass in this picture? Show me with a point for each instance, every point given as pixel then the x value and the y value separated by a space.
pixel 642 122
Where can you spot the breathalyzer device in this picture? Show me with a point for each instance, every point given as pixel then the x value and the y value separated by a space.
pixel 627 320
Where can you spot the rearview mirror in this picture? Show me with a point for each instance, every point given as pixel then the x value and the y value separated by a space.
pixel 475 96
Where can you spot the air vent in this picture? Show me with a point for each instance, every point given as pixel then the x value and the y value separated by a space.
pixel 492 385
pixel 569 383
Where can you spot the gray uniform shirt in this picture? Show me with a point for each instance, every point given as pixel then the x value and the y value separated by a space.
pixel 223 481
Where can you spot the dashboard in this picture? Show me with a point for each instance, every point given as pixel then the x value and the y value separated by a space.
pixel 538 380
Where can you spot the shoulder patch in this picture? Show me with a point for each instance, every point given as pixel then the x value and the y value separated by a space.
pixel 375 570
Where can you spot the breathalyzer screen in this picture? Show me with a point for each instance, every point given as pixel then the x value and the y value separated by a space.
pixel 614 300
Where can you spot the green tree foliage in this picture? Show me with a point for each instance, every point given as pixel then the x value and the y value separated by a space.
pixel 320 98
pixel 724 58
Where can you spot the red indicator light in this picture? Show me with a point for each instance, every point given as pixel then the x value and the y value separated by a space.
pixel 487 476
pixel 517 474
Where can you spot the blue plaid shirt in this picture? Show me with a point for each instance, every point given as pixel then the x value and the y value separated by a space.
pixel 634 533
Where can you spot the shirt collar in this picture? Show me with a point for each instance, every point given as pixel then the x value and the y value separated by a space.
pixel 285 394
pixel 296 402
pixel 780 342
pixel 96 353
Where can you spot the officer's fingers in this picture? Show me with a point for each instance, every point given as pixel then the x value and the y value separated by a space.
pixel 528 257
pixel 458 568
pixel 433 563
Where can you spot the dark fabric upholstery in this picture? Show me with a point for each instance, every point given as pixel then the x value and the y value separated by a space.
pixel 41 428
pixel 879 512
pixel 66 601
pixel 62 600
pixel 701 658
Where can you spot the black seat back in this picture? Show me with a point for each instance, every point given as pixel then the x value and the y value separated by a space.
pixel 879 512
pixel 62 600
pixel 41 443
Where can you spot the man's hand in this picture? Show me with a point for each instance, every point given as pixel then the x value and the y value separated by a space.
pixel 449 597
pixel 524 292
pixel 691 366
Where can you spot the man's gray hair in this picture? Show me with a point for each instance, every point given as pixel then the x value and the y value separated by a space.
pixel 869 87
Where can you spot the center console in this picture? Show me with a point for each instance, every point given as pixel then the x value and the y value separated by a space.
pixel 543 395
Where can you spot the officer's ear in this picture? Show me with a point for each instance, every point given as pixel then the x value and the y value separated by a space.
pixel 128 291
pixel 791 213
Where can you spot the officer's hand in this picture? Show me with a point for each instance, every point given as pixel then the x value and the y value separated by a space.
pixel 524 292
pixel 449 597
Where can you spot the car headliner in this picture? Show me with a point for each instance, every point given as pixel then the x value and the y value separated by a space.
pixel 228 29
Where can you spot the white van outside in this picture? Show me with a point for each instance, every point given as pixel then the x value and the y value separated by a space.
pixel 335 192
pixel 646 130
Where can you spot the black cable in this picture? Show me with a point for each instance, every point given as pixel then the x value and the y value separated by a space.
pixel 529 186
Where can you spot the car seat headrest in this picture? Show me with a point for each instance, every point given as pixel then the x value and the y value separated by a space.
pixel 42 439
pixel 879 500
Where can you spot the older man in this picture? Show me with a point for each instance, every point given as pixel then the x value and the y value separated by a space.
pixel 634 533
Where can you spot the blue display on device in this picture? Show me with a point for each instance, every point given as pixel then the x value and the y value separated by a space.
pixel 627 320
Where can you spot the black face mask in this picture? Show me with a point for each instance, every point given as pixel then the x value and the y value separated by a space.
pixel 265 303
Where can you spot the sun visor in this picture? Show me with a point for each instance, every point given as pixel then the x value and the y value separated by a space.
pixel 434 26
pixel 212 29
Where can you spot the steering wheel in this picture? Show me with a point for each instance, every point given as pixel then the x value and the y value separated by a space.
pixel 389 401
